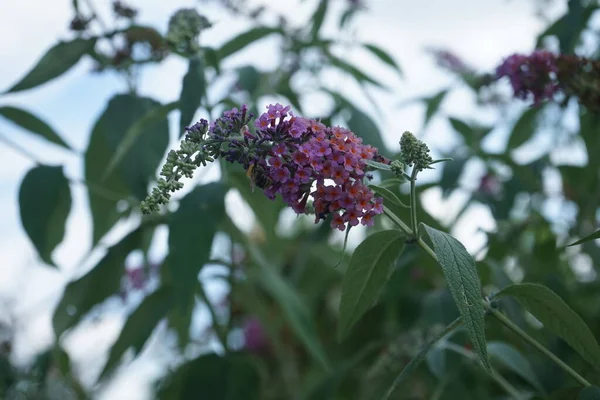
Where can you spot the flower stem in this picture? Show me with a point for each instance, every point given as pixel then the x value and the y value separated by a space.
pixel 510 325
pixel 413 202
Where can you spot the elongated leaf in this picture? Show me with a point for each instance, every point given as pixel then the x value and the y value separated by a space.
pixel 57 60
pixel 193 89
pixel 388 196
pixel 155 116
pixel 593 236
pixel 139 326
pixel 210 376
pixel 318 17
pixel 137 167
pixel 44 204
pixel 433 104
pixel 451 174
pixel 369 269
pixel 589 393
pixel 524 128
pixel 462 127
pixel 360 76
pixel 364 126
pixel 103 281
pixel 557 316
pixel 378 165
pixel 30 122
pixel 244 39
pixel 383 56
pixel 191 231
pixel 293 306
pixel 511 359
pixel 462 279
pixel 414 363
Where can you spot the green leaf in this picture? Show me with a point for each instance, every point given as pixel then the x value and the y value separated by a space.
pixel 244 39
pixel 293 306
pixel 557 316
pixel 383 56
pixel 462 279
pixel 524 128
pixel 360 76
pixel 378 165
pixel 433 104
pixel 210 376
pixel 193 89
pixel 388 196
pixel 362 125
pixel 318 17
pixel 267 211
pixel 191 231
pixel 370 268
pixel 130 179
pixel 465 130
pixel 139 326
pixel 436 361
pixel 58 60
pixel 249 79
pixel 451 174
pixel 155 116
pixel 44 205
pixel 589 393
pixel 511 359
pixel 414 363
pixel 103 281
pixel 593 236
pixel 30 122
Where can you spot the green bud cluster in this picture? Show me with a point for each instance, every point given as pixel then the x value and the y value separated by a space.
pixel 184 29
pixel 194 151
pixel 414 152
pixel 397 167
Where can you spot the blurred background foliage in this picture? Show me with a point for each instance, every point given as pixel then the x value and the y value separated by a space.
pixel 273 335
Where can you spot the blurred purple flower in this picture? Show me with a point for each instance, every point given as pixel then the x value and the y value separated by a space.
pixel 255 340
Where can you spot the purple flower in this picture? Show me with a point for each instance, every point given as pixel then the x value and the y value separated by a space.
pixel 255 340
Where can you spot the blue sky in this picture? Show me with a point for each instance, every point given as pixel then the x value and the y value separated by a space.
pixel 482 32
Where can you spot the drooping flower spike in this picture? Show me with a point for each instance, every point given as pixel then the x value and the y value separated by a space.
pixel 294 157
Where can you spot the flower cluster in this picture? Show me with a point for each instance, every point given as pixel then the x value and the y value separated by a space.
pixel 309 159
pixel 534 74
pixel 295 157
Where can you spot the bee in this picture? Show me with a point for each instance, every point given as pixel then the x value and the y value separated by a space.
pixel 258 177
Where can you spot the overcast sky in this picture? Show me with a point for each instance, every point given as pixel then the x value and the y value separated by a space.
pixel 482 32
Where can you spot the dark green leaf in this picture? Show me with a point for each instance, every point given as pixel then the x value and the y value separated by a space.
pixel 347 16
pixel 139 326
pixel 318 17
pixel 414 363
pixel 267 211
pixel 293 306
pixel 465 130
pixel 360 76
pixel 462 279
pixel 589 393
pixel 58 60
pixel 191 231
pixel 285 89
pixel 211 56
pixel 210 376
pixel 44 204
pixel 511 359
pixel 569 27
pixel 433 104
pixel 383 56
pixel 593 236
pixel 451 174
pixel 244 39
pixel 134 173
pixel 369 269
pixel 30 122
pixel 103 281
pixel 155 116
pixel 557 316
pixel 378 165
pixel 193 89
pixel 362 125
pixel 249 79
pixel 436 361
pixel 524 128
